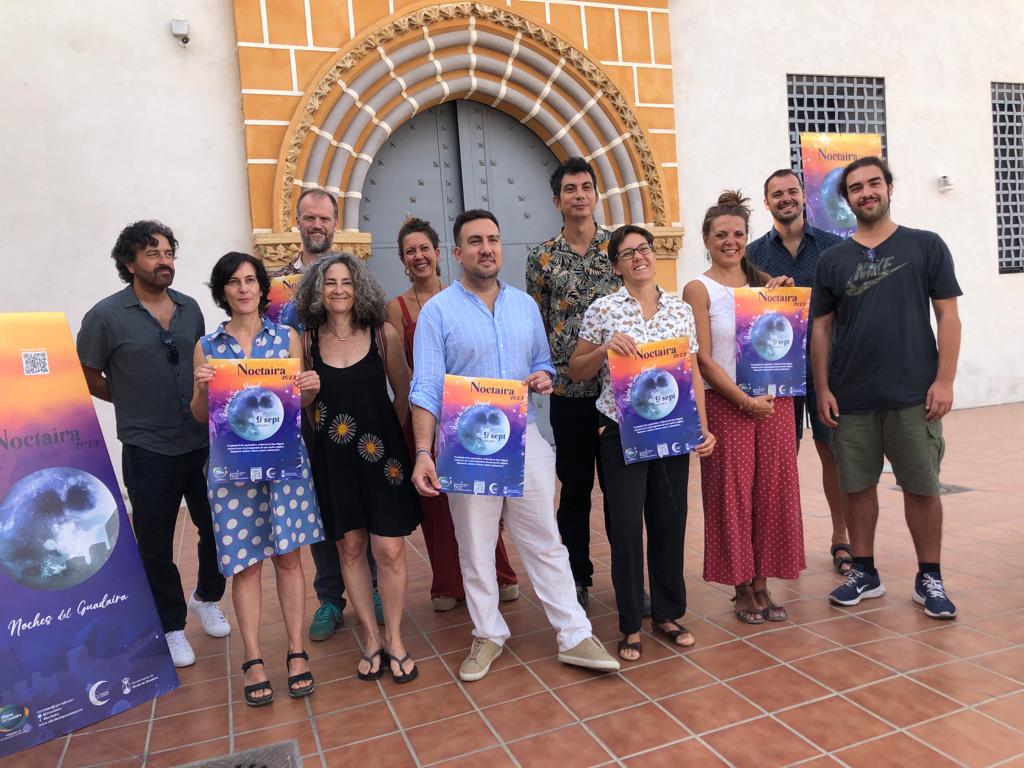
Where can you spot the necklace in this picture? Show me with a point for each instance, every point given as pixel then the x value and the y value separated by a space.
pixel 339 338
pixel 416 294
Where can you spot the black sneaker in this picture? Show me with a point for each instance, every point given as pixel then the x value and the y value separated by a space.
pixel 582 596
pixel 858 585
pixel 929 592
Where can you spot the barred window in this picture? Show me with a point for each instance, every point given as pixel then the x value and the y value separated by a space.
pixel 1008 148
pixel 834 104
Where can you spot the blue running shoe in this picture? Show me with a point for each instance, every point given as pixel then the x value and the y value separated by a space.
pixel 857 586
pixel 929 592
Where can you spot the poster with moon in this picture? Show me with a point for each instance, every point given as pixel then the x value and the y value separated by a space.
pixel 80 639
pixel 255 410
pixel 823 157
pixel 281 308
pixel 771 340
pixel 481 443
pixel 654 401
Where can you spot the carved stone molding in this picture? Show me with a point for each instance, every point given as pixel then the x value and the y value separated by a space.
pixel 276 249
pixel 414 22
pixel 668 241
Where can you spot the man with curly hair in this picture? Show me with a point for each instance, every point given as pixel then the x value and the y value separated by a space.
pixel 135 349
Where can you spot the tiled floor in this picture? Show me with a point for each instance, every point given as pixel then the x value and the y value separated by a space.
pixel 875 685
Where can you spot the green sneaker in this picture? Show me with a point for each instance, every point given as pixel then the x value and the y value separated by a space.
pixel 378 607
pixel 326 620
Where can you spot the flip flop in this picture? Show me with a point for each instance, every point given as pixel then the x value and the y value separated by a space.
pixel 374 674
pixel 842 563
pixel 402 676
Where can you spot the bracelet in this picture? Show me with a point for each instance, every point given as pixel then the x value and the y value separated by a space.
pixel 426 451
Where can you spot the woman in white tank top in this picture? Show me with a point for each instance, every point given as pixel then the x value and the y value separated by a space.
pixel 749 485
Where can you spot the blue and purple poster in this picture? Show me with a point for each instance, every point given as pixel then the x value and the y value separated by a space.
pixel 80 639
pixel 823 157
pixel 654 400
pixel 255 409
pixel 771 340
pixel 481 443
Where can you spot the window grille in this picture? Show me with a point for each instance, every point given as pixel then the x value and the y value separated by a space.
pixel 1008 149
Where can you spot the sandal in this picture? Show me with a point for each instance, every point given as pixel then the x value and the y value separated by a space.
pixel 773 612
pixel 676 632
pixel 374 674
pixel 403 676
pixel 842 563
pixel 249 691
pixel 752 615
pixel 625 645
pixel 298 693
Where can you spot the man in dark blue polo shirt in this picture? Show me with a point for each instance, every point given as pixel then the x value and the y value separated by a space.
pixel 135 347
pixel 791 247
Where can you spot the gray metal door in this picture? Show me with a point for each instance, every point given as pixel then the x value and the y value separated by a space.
pixel 452 157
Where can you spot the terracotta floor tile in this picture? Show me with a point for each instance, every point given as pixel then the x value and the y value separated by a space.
pixel 965 682
pixel 188 698
pixel 1008 626
pixel 961 641
pixel 189 754
pixel 137 714
pixel 972 738
pixel 731 659
pixel 536 645
pixel 384 752
pixel 895 751
pixel 777 688
pixel 833 723
pixel 810 610
pixel 763 743
pixel 492 758
pixel 525 717
pixel 599 696
pixel 446 739
pixel 904 654
pixel 189 728
pixel 340 694
pixel 690 753
pixel 432 704
pixel 284 710
pixel 665 678
pixel 792 643
pixel 849 630
pixel 637 729
pixel 301 732
pixel 706 709
pixel 1009 663
pixel 43 756
pixel 570 747
pixel 902 619
pixel 841 669
pixel 902 702
pixel 503 685
pixel 92 748
pixel 1010 710
pixel 432 672
pixel 348 725
pixel 556 674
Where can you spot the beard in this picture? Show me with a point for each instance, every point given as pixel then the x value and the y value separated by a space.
pixel 877 215
pixel 316 242
pixel 789 216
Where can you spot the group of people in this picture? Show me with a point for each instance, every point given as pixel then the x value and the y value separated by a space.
pixel 371 389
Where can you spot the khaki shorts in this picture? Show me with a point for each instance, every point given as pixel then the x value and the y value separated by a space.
pixel 913 445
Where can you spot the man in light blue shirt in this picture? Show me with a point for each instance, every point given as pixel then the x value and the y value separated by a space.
pixel 480 326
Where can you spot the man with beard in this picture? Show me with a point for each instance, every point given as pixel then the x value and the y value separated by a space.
pixel 884 384
pixel 135 349
pixel 792 247
pixel 480 326
pixel 316 215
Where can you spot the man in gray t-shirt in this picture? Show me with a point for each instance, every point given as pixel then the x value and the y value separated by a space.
pixel 136 351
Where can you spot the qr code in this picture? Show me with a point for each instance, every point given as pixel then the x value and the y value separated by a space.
pixel 662 450
pixel 479 487
pixel 255 473
pixel 35 363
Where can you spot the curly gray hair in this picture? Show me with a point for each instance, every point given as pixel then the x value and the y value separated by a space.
pixel 368 298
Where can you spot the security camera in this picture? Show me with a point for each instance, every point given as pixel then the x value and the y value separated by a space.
pixel 179 28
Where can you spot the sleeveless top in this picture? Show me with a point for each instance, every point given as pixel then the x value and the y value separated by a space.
pixel 723 326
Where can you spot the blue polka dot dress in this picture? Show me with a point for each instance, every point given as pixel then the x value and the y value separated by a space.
pixel 256 520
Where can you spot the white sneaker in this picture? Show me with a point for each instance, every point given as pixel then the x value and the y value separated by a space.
pixel 181 652
pixel 212 617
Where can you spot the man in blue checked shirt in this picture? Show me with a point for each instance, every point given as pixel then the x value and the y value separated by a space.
pixel 480 326
pixel 792 247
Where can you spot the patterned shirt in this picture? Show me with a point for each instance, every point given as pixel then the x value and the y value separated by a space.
pixel 769 254
pixel 564 284
pixel 456 333
pixel 621 312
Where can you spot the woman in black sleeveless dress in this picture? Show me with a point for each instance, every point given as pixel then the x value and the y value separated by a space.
pixel 358 455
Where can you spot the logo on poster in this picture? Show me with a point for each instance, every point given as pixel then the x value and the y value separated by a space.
pixel 99 693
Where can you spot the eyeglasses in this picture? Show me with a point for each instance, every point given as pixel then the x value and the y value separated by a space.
pixel 172 351
pixel 644 249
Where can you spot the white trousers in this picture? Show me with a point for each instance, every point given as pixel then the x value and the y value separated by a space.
pixel 530 520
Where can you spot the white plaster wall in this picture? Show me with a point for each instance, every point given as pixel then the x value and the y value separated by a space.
pixel 108 120
pixel 938 59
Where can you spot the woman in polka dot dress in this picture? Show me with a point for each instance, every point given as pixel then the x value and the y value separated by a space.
pixel 256 520
pixel 751 492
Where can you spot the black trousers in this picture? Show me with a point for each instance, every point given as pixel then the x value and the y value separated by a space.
pixel 156 485
pixel 653 492
pixel 574 423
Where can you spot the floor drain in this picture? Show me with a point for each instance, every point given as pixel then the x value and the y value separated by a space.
pixel 284 754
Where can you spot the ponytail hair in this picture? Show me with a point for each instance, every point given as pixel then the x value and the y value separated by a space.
pixel 732 203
